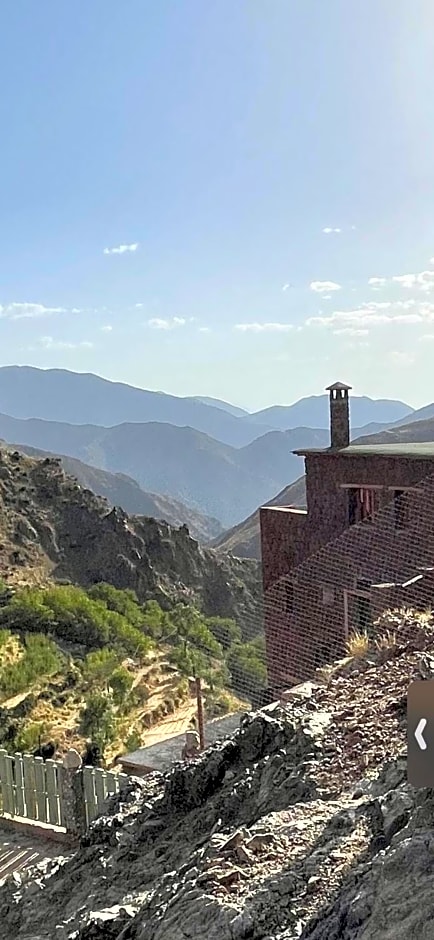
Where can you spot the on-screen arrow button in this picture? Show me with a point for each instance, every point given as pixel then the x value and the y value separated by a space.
pixel 419 734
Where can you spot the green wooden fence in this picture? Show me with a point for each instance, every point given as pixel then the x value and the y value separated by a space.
pixel 31 789
pixel 98 786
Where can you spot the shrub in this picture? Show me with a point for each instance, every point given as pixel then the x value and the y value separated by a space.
pixel 28 738
pixel 133 741
pixel 41 658
pixel 70 614
pixel 4 637
pixel 99 666
pixel 97 719
pixel 120 683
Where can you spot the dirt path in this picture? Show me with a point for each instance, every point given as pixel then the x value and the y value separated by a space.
pixel 177 723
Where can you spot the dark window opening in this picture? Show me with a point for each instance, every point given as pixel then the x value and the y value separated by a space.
pixel 363 613
pixel 361 504
pixel 400 498
pixel 352 507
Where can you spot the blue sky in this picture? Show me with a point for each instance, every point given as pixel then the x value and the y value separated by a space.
pixel 215 142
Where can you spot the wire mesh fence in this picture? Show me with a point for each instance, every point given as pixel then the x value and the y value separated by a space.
pixel 310 610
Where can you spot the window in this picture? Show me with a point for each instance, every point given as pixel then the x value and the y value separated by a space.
pixel 362 504
pixel 400 499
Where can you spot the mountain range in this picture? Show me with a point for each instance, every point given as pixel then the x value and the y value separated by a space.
pixel 219 481
pixel 243 539
pixel 83 398
pixel 217 460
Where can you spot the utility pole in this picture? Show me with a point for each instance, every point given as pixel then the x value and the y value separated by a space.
pixel 200 713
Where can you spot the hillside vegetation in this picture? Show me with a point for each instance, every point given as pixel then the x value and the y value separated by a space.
pixel 99 665
pixel 51 528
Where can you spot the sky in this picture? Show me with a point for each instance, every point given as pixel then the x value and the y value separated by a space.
pixel 232 199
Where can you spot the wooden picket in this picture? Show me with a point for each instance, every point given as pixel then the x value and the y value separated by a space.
pixel 98 786
pixel 31 789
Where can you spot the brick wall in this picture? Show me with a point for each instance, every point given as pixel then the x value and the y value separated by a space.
pixel 327 502
pixel 313 631
pixel 284 541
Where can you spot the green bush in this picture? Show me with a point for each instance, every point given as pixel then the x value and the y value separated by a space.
pixel 41 658
pixel 70 614
pixel 120 683
pixel 97 719
pixel 4 637
pixel 99 666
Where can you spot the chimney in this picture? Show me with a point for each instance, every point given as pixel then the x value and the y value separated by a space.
pixel 339 415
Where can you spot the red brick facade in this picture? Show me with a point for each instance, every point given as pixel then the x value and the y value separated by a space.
pixel 321 566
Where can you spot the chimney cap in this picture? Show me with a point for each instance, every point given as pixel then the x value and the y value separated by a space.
pixel 338 386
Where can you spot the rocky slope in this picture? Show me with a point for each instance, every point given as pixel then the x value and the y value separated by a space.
pixel 52 527
pixel 300 827
pixel 121 490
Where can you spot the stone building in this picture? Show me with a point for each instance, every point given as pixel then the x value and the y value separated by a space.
pixel 364 542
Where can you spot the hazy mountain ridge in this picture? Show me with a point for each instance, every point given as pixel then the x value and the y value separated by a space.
pixel 243 540
pixel 84 398
pixel 222 482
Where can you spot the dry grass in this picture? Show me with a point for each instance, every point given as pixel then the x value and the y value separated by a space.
pixel 358 645
pixel 386 641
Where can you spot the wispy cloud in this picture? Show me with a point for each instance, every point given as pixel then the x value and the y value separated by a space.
pixel 372 314
pixel 401 358
pixel 324 287
pixel 159 324
pixel 263 327
pixel 18 311
pixel 332 231
pixel 204 329
pixel 49 343
pixel 286 287
pixel 421 281
pixel 121 249
pixel 106 329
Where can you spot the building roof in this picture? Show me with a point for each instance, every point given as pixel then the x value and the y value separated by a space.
pixel 164 754
pixel 408 449
pixel 338 386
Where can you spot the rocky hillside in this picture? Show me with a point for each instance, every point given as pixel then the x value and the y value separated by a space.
pixel 243 540
pixel 52 527
pixel 300 827
pixel 121 490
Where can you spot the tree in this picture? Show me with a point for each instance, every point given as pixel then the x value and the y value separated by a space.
pixel 246 663
pixel 225 631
